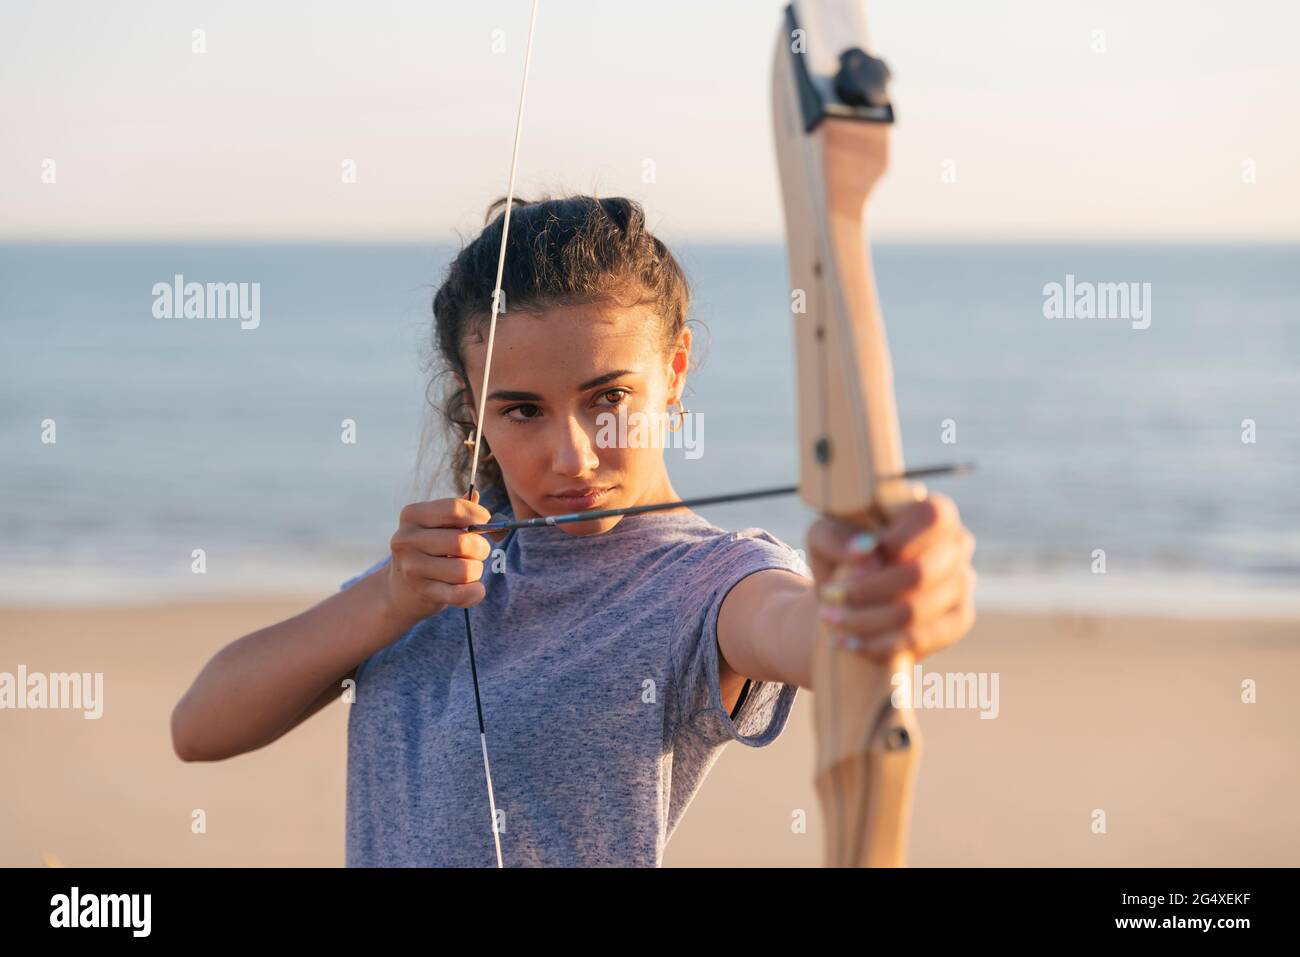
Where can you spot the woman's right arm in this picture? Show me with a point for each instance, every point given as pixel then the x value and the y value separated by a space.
pixel 261 686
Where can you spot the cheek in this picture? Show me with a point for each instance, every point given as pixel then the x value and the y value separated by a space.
pixel 510 443
pixel 636 447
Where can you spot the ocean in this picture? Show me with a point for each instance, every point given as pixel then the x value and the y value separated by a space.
pixel 1120 437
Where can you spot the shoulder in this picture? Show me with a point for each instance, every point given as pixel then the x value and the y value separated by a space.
pixel 749 548
pixel 709 562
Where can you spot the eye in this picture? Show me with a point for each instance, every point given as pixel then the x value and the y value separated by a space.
pixel 615 396
pixel 526 412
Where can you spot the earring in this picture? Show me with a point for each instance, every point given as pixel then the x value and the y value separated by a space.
pixel 682 412
pixel 485 456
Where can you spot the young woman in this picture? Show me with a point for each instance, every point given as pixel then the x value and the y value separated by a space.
pixel 614 657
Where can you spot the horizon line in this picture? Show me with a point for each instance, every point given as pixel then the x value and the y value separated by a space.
pixel 735 242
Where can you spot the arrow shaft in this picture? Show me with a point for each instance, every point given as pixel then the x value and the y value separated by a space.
pixel 544 521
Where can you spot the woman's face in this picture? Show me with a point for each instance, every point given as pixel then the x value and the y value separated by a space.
pixel 576 402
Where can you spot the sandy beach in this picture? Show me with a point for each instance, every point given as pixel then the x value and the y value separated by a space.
pixel 1140 718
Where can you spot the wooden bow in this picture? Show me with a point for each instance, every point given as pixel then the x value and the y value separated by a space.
pixel 831 120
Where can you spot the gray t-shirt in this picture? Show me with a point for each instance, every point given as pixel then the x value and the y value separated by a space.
pixel 598 665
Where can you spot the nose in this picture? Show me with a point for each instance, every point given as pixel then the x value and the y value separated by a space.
pixel 574 454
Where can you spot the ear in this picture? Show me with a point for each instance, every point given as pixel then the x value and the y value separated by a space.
pixel 680 362
pixel 466 395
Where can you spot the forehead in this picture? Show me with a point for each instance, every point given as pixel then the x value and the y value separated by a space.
pixel 570 341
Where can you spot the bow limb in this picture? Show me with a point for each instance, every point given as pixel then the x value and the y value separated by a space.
pixel 831 124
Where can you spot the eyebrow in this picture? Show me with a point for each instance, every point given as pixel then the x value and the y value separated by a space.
pixel 510 396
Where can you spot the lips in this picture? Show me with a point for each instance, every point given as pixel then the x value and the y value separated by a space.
pixel 577 500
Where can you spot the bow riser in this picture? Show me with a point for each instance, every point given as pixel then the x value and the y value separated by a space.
pixel 831 154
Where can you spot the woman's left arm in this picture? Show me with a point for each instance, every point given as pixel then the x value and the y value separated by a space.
pixel 910 585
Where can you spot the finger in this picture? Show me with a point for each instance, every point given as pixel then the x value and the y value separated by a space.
pixel 439 542
pixel 451 543
pixel 916 525
pixel 865 621
pixel 832 542
pixel 444 513
pixel 949 628
pixel 462 596
pixel 419 567
pixel 928 637
pixel 942 595
pixel 864 585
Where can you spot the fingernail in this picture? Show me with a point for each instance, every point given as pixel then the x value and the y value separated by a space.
pixel 833 593
pixel 833 614
pixel 862 543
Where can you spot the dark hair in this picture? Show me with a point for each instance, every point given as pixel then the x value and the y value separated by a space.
pixel 559 252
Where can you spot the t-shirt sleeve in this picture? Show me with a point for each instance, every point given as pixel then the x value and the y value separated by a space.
pixel 701 717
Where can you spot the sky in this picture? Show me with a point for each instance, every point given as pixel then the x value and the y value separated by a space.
pixel 1021 120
